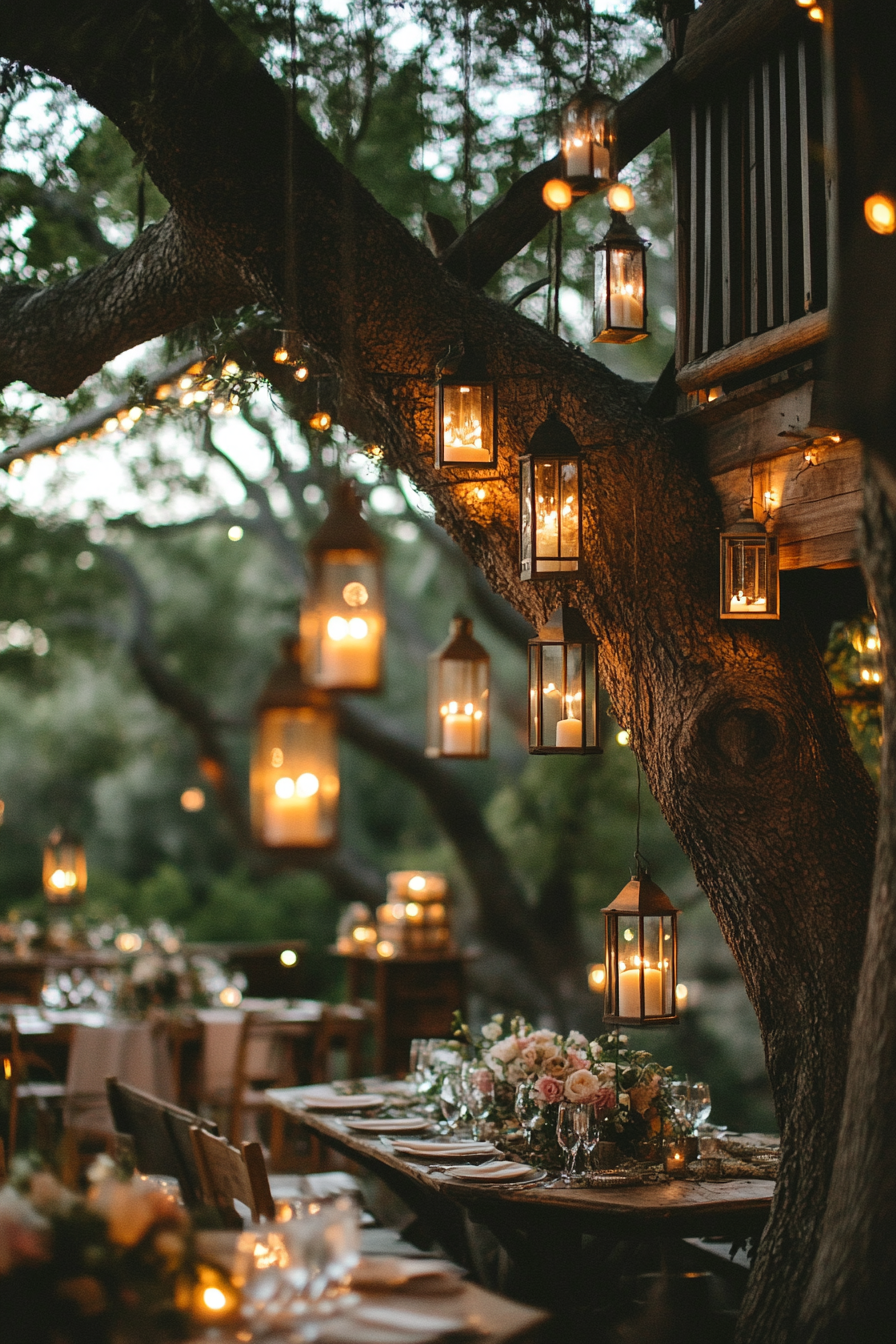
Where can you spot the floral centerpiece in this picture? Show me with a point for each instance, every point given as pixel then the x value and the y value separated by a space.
pixel 628 1088
pixel 117 1265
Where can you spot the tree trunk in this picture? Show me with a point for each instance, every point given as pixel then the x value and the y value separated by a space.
pixel 737 729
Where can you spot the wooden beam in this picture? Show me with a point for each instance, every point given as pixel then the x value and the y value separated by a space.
pixel 753 352
pixel 722 32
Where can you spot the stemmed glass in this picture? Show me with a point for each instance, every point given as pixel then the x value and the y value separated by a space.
pixel 451 1097
pixel 701 1103
pixel 527 1111
pixel 680 1096
pixel 569 1136
pixel 587 1127
pixel 477 1101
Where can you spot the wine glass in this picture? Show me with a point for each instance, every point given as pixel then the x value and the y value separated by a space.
pixel 477 1100
pixel 569 1137
pixel 587 1127
pixel 415 1062
pixel 680 1098
pixel 701 1103
pixel 451 1097
pixel 527 1111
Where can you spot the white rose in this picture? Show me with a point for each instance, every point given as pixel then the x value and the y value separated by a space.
pixel 505 1050
pixel 576 1038
pixel 581 1086
pixel 491 1031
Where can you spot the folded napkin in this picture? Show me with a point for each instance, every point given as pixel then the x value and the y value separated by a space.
pixel 421 1148
pixel 364 1101
pixel 494 1171
pixel 387 1272
pixel 409 1125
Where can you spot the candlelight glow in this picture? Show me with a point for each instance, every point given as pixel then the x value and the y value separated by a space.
pixel 288 957
pixel 621 197
pixel 557 194
pixel 880 214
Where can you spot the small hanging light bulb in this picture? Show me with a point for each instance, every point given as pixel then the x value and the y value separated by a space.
pixel 321 421
pixel 621 197
pixel 300 374
pixel 557 194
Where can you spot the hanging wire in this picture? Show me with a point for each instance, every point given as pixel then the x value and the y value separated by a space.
pixel 466 50
pixel 588 43
pixel 290 316
pixel 555 265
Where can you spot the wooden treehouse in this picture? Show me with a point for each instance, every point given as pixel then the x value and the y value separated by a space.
pixel 752 124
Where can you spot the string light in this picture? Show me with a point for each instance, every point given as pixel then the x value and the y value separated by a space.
pixel 880 214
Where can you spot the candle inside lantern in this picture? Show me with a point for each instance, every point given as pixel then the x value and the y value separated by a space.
pixel 462 424
pixel 349 653
pixel 458 729
pixel 673 1159
pixel 578 157
pixel 626 308
pixel 293 814
pixel 569 733
pixel 630 991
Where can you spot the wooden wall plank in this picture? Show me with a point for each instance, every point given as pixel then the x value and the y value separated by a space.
pixel 785 204
pixel 725 189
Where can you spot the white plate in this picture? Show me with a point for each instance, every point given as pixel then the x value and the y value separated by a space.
pixel 364 1101
pixel 488 1175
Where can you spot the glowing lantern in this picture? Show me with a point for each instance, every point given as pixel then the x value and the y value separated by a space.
pixel 294 777
pixel 343 625
pixel 641 950
pixel 64 868
pixel 871 668
pixel 458 695
pixel 588 140
pixel 597 977
pixel 289 351
pixel 748 565
pixel 563 687
pixel 356 933
pixel 620 284
pixel 550 513
pixel 465 414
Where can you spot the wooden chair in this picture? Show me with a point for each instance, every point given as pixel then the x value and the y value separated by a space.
pixel 229 1174
pixel 265 1054
pixel 161 1136
pixel 16 1064
pixel 343 1024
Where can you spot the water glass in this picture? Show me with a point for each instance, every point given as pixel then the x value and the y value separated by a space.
pixel 701 1102
pixel 478 1093
pixel 526 1109
pixel 262 1256
pixel 451 1097
pixel 569 1137
pixel 415 1061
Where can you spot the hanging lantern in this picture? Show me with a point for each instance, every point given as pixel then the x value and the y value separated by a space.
pixel 466 417
pixel 871 667
pixel 343 624
pixel 563 688
pixel 748 563
pixel 620 284
pixel 641 955
pixel 550 512
pixel 294 776
pixel 588 140
pixel 64 868
pixel 458 695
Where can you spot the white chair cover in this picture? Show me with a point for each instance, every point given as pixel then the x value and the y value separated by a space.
pixel 134 1052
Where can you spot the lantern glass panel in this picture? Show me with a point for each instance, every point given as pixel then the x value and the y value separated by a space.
pixel 294 781
pixel 467 430
pixel 459 712
pixel 563 697
pixel 556 515
pixel 749 574
pixel 343 624
pixel 641 967
pixel 626 287
pixel 64 869
pixel 587 139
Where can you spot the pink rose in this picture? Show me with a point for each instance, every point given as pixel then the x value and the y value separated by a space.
pixel 483 1081
pixel 548 1090
pixel 576 1061
pixel 582 1086
pixel 605 1099
pixel 529 1057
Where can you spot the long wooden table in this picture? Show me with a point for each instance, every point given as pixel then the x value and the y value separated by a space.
pixel 542 1230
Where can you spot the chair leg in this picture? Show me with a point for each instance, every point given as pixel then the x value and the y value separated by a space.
pixel 278 1138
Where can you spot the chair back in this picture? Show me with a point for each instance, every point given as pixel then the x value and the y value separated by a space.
pixel 343 1024
pixel 161 1136
pixel 134 1052
pixel 229 1174
pixel 21 983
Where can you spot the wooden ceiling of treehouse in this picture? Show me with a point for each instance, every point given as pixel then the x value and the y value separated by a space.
pixel 751 142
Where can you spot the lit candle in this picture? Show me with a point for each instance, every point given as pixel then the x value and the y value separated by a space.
pixel 292 815
pixel 630 992
pixel 626 310
pixel 673 1160
pixel 349 652
pixel 457 733
pixel 569 733
pixel 600 159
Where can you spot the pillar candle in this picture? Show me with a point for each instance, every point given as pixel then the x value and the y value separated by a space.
pixel 348 662
pixel 626 311
pixel 630 993
pixel 292 821
pixel 569 733
pixel 600 159
pixel 457 735
pixel 578 158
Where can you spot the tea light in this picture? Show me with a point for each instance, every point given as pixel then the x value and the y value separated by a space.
pixel 673 1160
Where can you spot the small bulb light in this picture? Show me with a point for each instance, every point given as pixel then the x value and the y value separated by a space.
pixel 880 214
pixel 557 194
pixel 621 197
pixel 288 957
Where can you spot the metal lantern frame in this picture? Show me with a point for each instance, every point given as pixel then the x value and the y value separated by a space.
pixel 588 140
pixel 287 692
pixel 448 684
pixel 344 541
pixel 554 460
pixel 567 642
pixel 748 543
pixel 64 853
pixel 640 901
pixel 469 372
pixel 621 252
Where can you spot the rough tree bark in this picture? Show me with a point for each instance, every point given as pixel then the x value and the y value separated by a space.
pixel 737 730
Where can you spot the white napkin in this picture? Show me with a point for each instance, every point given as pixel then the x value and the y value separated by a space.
pixel 407 1126
pixel 388 1325
pixel 394 1271
pixel 494 1171
pixel 362 1102
pixel 420 1148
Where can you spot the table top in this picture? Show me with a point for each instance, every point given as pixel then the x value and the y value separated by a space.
pixel 678 1207
pixel 497 1318
pixel 33 1020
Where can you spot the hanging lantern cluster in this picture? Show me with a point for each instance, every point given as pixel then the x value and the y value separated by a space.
pixel 64 868
pixel 294 778
pixel 748 571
